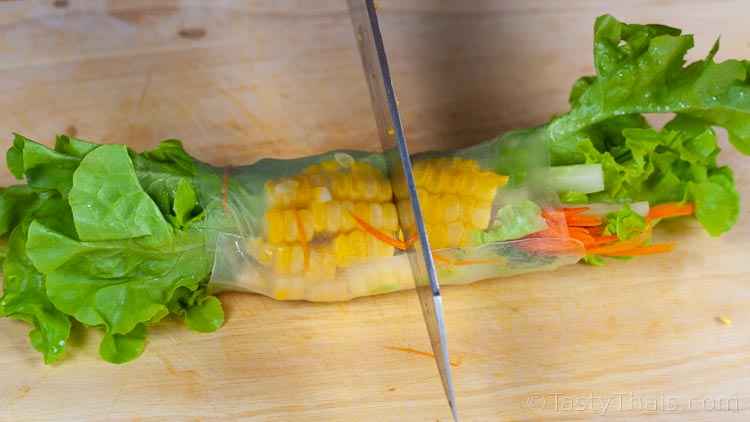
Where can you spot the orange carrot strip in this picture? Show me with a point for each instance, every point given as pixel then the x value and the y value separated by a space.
pixel 645 250
pixel 603 240
pixel 575 220
pixel 672 209
pixel 595 231
pixel 302 238
pixel 558 246
pixel 556 224
pixel 440 258
pixel 581 234
pixel 624 245
pixel 381 236
pixel 575 210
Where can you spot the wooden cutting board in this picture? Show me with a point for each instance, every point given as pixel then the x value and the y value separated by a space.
pixel 241 80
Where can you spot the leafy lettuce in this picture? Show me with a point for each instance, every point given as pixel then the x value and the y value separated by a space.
pixel 641 69
pixel 97 239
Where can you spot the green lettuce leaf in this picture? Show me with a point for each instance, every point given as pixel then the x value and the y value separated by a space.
pixel 624 223
pixel 122 348
pixel 206 316
pixel 672 165
pixel 24 292
pixel 640 69
pixel 513 221
pixel 108 202
pixel 88 241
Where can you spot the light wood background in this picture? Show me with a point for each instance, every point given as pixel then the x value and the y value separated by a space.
pixel 240 80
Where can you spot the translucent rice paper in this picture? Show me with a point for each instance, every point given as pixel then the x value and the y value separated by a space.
pixel 323 228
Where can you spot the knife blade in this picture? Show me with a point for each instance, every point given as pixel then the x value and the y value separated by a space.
pixel 393 141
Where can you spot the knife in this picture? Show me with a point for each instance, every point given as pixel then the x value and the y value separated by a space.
pixel 393 141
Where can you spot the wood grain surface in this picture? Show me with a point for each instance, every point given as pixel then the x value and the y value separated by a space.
pixel 240 80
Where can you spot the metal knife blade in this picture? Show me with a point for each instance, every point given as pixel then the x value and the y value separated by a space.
pixel 393 140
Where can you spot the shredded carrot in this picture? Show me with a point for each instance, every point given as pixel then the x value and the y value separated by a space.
pixel 603 240
pixel 575 210
pixel 575 220
pixel 225 190
pixel 645 250
pixel 624 245
pixel 553 245
pixel 581 234
pixel 672 209
pixel 383 237
pixel 556 224
pixel 302 238
pixel 596 230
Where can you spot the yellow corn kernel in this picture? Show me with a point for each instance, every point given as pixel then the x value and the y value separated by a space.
pixel 282 260
pixel 464 182
pixel 296 259
pixel 362 210
pixel 347 221
pixel 305 217
pixel 341 250
pixel 451 207
pixel 438 235
pixel 334 215
pixel 430 207
pixel 358 245
pixel 288 192
pixel 329 165
pixel 275 229
pixel 444 181
pixel 454 234
pixel 290 226
pixel 318 180
pixel 467 205
pixel 385 192
pixel 420 173
pixel 480 217
pixel 286 225
pixel 364 186
pixel 321 194
pixel 375 214
pixel 390 217
pixel 341 186
pixel 319 211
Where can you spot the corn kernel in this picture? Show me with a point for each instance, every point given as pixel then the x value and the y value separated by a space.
pixel 480 217
pixel 290 225
pixel 296 260
pixel 305 217
pixel 275 230
pixel 282 260
pixel 390 217
pixel 451 208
